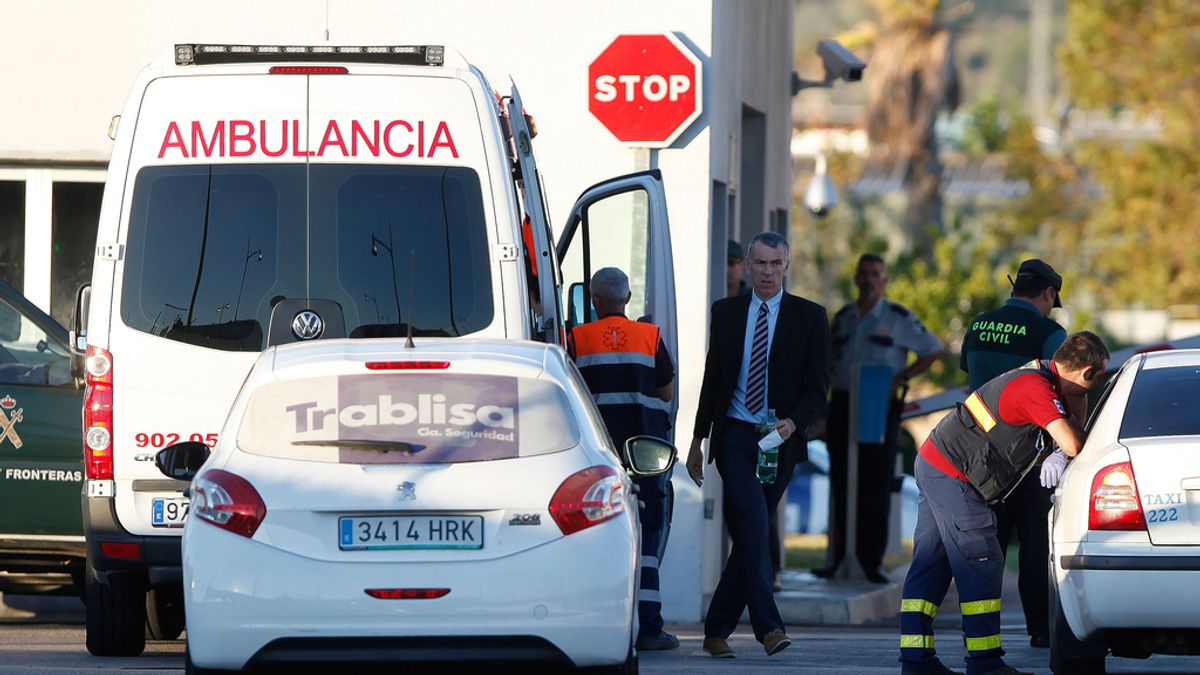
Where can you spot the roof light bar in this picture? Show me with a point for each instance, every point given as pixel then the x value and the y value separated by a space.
pixel 406 55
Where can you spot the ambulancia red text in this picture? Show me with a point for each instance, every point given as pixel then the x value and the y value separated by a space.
pixel 278 138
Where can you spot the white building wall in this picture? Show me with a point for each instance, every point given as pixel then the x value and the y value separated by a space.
pixel 71 62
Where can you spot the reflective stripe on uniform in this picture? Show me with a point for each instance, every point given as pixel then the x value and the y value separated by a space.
pixel 922 606
pixel 916 642
pixel 980 607
pixel 649 595
pixel 982 644
pixel 650 562
pixel 632 398
pixel 983 416
pixel 610 358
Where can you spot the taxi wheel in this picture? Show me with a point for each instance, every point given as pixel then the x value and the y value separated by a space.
pixel 1069 655
pixel 115 614
pixel 164 613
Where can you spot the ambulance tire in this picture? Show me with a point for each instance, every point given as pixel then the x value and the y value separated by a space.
pixel 164 613
pixel 115 614
pixel 1068 654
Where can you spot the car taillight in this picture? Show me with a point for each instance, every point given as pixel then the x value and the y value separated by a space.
pixel 407 365
pixel 587 498
pixel 228 501
pixel 407 593
pixel 1114 501
pixel 98 414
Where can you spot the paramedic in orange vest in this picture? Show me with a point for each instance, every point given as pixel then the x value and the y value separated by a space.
pixel 632 379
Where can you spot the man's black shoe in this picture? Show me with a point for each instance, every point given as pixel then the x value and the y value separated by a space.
pixel 823 572
pixel 1006 669
pixel 1039 641
pixel 875 577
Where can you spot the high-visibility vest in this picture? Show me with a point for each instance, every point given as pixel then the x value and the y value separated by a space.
pixel 993 454
pixel 616 357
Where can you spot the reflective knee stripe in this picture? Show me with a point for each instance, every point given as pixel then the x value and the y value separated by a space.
pixel 922 606
pixel 649 561
pixel 649 595
pixel 916 642
pixel 980 607
pixel 981 644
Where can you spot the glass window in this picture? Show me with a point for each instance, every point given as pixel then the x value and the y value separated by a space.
pixel 408 418
pixel 1163 403
pixel 27 354
pixel 213 249
pixel 613 233
pixel 76 213
pixel 12 233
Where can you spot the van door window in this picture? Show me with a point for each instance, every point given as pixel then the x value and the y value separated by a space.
pixel 212 249
pixel 27 354
pixel 613 233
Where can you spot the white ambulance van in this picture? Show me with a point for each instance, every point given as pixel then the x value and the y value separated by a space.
pixel 264 194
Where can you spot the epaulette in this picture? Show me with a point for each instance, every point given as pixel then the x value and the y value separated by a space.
pixel 899 309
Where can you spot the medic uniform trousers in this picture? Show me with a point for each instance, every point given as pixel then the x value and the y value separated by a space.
pixel 955 539
pixel 616 357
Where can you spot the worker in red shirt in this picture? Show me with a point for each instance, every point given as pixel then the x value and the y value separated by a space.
pixel 975 457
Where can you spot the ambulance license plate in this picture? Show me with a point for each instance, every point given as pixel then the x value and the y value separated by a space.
pixel 169 512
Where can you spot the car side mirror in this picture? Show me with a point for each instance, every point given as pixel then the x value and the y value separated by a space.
pixel 649 456
pixel 182 461
pixel 78 333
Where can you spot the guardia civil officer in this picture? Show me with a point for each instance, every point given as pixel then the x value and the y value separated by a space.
pixel 975 456
pixel 631 377
pixel 996 342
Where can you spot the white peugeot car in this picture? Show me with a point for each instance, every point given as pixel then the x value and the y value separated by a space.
pixel 1125 527
pixel 367 502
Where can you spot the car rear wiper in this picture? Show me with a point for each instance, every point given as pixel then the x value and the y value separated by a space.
pixel 364 444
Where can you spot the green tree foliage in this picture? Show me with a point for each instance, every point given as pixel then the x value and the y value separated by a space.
pixel 1141 55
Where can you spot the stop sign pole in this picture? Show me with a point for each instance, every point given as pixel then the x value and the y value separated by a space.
pixel 646 89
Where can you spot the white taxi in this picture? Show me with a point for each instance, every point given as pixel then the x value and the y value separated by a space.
pixel 459 500
pixel 1125 527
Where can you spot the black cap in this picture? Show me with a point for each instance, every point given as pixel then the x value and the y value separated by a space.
pixel 1038 269
pixel 735 253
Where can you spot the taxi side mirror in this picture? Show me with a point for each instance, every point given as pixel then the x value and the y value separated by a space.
pixel 649 456
pixel 182 461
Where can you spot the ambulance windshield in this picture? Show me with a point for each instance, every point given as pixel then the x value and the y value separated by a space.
pixel 212 249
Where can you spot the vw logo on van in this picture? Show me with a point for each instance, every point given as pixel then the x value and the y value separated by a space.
pixel 307 325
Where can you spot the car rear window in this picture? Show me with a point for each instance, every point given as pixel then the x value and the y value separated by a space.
pixel 1162 402
pixel 408 418
pixel 212 249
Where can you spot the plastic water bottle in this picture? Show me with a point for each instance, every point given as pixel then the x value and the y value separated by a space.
pixel 768 460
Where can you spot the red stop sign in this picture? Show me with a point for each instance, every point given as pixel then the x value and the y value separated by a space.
pixel 645 89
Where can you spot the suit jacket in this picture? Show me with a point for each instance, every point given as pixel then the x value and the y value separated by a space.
pixel 797 367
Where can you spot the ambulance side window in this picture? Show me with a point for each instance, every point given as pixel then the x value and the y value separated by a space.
pixel 27 354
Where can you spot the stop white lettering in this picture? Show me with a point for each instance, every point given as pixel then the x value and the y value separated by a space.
pixel 245 138
pixel 653 88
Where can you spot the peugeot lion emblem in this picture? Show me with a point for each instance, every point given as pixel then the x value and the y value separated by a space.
pixel 408 490
pixel 307 325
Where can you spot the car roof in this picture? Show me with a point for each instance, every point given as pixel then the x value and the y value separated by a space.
pixel 1174 358
pixel 478 355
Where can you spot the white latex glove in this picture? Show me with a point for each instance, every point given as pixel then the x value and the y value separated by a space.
pixel 1052 468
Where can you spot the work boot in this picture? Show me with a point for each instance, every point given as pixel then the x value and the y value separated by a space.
pixel 653 643
pixel 775 641
pixel 1006 669
pixel 718 648
pixel 1040 641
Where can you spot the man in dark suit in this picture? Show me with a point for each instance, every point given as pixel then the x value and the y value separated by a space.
pixel 767 351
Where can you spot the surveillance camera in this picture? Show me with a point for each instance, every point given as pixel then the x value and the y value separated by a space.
pixel 839 62
pixel 820 196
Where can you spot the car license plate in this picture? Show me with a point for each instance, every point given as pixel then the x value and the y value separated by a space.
pixel 375 533
pixel 169 512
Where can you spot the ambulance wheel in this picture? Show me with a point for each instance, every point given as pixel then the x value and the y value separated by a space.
pixel 1068 654
pixel 164 613
pixel 115 614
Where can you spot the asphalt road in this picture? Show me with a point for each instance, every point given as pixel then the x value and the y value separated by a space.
pixel 27 647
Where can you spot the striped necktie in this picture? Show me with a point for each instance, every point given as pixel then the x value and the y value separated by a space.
pixel 756 382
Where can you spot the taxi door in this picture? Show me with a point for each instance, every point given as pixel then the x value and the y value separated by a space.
pixel 41 459
pixel 622 222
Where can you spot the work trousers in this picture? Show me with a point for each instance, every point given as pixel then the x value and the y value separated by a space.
pixel 876 473
pixel 955 539
pixel 747 579
pixel 657 498
pixel 1026 510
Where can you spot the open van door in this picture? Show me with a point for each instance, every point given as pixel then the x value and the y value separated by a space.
pixel 622 222
pixel 544 264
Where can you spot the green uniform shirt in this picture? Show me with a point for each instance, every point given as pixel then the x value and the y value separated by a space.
pixel 1007 338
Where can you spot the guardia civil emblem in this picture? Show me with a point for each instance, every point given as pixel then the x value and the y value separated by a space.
pixel 9 420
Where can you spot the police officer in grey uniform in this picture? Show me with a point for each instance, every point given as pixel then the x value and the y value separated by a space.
pixel 870 331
